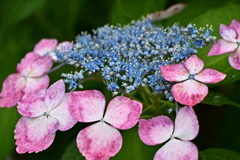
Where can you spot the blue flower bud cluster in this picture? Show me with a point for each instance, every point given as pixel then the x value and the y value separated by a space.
pixel 127 57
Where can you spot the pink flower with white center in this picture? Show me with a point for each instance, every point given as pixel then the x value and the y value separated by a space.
pixel 102 140
pixel 30 76
pixel 159 129
pixel 190 92
pixel 229 44
pixel 47 47
pixel 44 112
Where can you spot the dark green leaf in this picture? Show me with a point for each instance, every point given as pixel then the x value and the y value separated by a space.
pixel 72 152
pixel 218 99
pixel 218 154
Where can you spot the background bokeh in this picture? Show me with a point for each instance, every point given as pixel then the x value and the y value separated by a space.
pixel 24 22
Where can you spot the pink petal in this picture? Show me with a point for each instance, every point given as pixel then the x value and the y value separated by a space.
pixel 194 64
pixel 41 66
pixel 62 114
pixel 222 46
pixel 45 46
pixel 11 90
pixel 186 124
pixel 177 150
pixel 122 112
pixel 33 84
pixel 32 135
pixel 156 130
pixel 87 106
pixel 234 59
pixel 235 24
pixel 54 94
pixel 99 141
pixel 189 92
pixel 32 104
pixel 210 76
pixel 24 67
pixel 64 46
pixel 227 33
pixel 174 72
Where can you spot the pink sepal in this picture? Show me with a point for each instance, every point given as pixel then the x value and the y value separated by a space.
pixel 11 90
pixel 186 124
pixel 122 112
pixel 24 67
pixel 54 94
pixel 174 72
pixel 40 66
pixel 64 46
pixel 235 24
pixel 210 76
pixel 222 46
pixel 99 141
pixel 32 135
pixel 87 106
pixel 234 59
pixel 45 46
pixel 227 33
pixel 189 92
pixel 62 114
pixel 177 150
pixel 156 130
pixel 194 64
pixel 33 84
pixel 32 104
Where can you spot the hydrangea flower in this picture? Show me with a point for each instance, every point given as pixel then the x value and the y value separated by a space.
pixel 190 91
pixel 30 76
pixel 229 44
pixel 44 112
pixel 102 140
pixel 47 47
pixel 160 129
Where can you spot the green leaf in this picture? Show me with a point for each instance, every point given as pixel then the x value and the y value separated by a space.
pixel 72 152
pixel 14 11
pixel 125 11
pixel 223 15
pixel 218 99
pixel 218 154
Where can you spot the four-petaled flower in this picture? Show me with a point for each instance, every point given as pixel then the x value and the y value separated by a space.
pixel 159 129
pixel 44 112
pixel 30 76
pixel 190 92
pixel 229 44
pixel 102 140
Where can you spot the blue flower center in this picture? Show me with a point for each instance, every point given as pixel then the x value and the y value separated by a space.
pixel 191 76
pixel 46 114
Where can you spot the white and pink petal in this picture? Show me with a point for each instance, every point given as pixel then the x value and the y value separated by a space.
pixel 45 46
pixel 32 135
pixel 210 76
pixel 40 66
pixel 186 124
pixel 174 72
pixel 62 114
pixel 123 113
pixel 156 130
pixel 87 106
pixel 189 92
pixel 33 104
pixel 11 90
pixel 222 46
pixel 235 24
pixel 54 94
pixel 99 141
pixel 234 59
pixel 177 150
pixel 228 33
pixel 193 64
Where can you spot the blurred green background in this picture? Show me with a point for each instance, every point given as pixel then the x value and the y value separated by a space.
pixel 24 22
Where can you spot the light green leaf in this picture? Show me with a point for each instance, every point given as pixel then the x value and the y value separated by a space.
pixel 218 99
pixel 72 152
pixel 218 154
pixel 223 15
